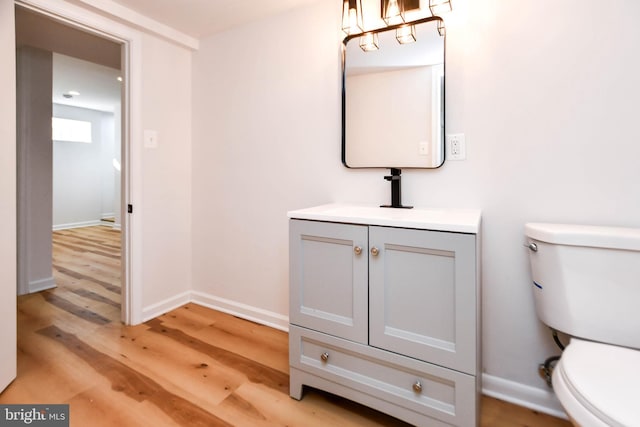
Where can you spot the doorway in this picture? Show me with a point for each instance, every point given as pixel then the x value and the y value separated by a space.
pixel 45 38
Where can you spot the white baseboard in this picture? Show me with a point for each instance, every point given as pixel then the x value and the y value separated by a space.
pixel 167 305
pixel 107 215
pixel 540 400
pixel 116 226
pixel 41 285
pixel 244 311
pixel 534 398
pixel 80 224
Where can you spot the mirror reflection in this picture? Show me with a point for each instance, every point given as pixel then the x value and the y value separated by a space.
pixel 393 98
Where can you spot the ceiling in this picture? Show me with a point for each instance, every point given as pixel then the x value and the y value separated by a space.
pixel 98 85
pixel 201 18
pixel 82 62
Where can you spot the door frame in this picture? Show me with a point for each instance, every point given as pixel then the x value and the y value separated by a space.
pixel 68 14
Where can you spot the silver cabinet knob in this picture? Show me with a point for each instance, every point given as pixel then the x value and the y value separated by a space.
pixel 357 250
pixel 417 387
pixel 375 251
pixel 324 356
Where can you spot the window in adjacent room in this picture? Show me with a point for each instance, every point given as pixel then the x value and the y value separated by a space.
pixel 71 130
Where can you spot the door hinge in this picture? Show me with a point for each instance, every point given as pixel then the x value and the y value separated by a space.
pixel 130 208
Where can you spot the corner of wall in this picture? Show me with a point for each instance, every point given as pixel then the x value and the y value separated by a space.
pixel 244 311
pixel 523 395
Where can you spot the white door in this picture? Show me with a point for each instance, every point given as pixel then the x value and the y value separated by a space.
pixel 7 325
pixel 8 344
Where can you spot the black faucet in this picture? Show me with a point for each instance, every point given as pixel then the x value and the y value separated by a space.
pixel 396 198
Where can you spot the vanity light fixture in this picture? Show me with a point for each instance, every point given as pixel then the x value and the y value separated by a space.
pixel 369 42
pixel 438 7
pixel 352 17
pixel 392 11
pixel 406 34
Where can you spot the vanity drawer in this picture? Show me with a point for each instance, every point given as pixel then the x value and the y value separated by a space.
pixel 409 384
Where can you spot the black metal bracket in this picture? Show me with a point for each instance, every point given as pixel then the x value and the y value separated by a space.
pixel 396 197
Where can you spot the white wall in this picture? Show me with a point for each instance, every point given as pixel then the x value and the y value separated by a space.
pixel 8 280
pixel 166 175
pixel 117 172
pixel 545 91
pixel 34 162
pixel 83 174
pixel 108 149
pixel 266 139
pixel 547 100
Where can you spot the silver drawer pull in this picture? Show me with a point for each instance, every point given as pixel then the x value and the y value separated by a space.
pixel 324 356
pixel 417 387
pixel 357 250
pixel 375 251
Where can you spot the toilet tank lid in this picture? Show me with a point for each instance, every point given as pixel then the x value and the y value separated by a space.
pixel 585 235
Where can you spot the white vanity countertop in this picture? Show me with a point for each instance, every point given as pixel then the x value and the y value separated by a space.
pixel 456 220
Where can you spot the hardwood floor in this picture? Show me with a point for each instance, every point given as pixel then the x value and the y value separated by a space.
pixel 190 367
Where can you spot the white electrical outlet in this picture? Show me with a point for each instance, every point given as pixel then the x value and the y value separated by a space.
pixel 456 147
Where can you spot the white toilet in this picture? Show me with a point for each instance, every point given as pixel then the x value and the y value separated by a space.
pixel 586 283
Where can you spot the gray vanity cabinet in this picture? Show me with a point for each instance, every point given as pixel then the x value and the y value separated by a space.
pixel 328 269
pixel 386 316
pixel 422 295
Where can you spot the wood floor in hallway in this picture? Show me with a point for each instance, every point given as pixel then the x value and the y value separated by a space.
pixel 192 366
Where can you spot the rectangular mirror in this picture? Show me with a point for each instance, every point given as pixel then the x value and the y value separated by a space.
pixel 393 98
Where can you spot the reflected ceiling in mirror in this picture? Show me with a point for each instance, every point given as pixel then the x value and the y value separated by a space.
pixel 393 99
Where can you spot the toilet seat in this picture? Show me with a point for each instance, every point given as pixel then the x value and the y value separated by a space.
pixel 599 384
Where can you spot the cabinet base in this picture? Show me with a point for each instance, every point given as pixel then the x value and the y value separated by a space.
pixel 298 379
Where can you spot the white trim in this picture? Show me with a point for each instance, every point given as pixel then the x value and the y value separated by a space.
pixel 80 17
pixel 540 400
pixel 244 311
pixel 131 180
pixel 80 224
pixel 41 285
pixel 534 398
pixel 108 10
pixel 138 20
pixel 107 215
pixel 165 306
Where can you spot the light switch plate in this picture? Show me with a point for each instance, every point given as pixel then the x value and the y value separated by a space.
pixel 150 139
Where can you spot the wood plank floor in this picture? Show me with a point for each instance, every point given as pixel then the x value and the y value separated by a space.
pixel 190 367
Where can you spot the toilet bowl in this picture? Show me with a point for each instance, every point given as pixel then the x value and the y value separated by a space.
pixel 598 384
pixel 586 283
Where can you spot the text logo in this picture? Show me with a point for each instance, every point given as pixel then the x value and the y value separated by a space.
pixel 34 415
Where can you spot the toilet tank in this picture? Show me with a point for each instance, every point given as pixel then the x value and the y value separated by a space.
pixel 586 280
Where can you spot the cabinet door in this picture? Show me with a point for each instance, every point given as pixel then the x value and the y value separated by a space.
pixel 328 278
pixel 423 295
